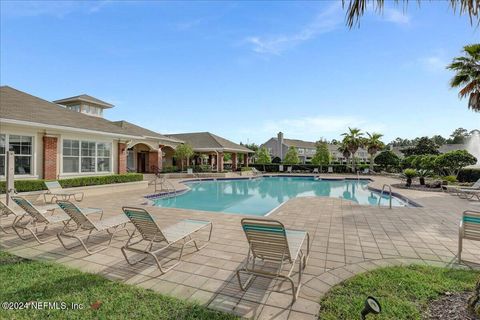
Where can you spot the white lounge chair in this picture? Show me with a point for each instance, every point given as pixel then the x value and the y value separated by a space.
pixel 7 212
pixel 150 234
pixel 269 241
pixel 84 224
pixel 255 172
pixel 58 193
pixel 38 218
pixel 469 229
pixel 330 170
pixel 315 170
pixel 289 169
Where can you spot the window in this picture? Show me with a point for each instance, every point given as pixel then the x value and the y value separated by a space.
pixel 74 108
pixel 3 144
pixel 86 156
pixel 22 146
pixel 71 153
pixel 103 157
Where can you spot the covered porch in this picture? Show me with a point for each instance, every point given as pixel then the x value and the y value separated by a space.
pixel 149 157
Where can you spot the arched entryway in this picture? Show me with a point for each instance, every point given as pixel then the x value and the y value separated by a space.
pixel 138 158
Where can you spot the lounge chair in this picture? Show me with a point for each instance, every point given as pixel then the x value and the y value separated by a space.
pixel 315 170
pixel 255 172
pixel 6 212
pixel 469 193
pixel 269 241
pixel 289 169
pixel 57 192
pixel 37 217
pixel 150 234
pixel 469 229
pixel 330 170
pixel 84 224
pixel 457 190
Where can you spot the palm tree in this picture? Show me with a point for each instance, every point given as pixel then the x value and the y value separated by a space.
pixel 373 144
pixel 353 140
pixel 467 75
pixel 356 8
pixel 343 148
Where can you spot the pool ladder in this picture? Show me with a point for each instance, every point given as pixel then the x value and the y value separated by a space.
pixel 165 185
pixel 390 195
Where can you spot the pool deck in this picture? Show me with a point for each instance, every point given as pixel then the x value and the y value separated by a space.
pixel 347 239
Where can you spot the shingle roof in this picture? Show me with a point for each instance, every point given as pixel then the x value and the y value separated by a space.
pixel 85 98
pixel 137 130
pixel 299 143
pixel 209 141
pixel 21 106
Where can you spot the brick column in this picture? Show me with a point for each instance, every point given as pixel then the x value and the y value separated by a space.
pixel 50 157
pixel 154 159
pixel 234 162
pixel 122 158
pixel 245 159
pixel 220 162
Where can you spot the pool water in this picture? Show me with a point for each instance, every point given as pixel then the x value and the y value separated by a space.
pixel 260 196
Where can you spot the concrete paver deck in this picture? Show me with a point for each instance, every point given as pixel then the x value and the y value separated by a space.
pixel 346 239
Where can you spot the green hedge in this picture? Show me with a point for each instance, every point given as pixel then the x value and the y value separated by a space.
pixel 469 175
pixel 38 185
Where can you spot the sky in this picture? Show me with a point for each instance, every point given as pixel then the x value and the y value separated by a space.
pixel 244 70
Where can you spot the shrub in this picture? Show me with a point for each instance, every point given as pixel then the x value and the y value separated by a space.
pixel 469 175
pixel 408 162
pixel 292 156
pixel 450 179
pixel 39 185
pixel 409 174
pixel 454 161
pixel 169 169
pixel 246 169
pixel 387 159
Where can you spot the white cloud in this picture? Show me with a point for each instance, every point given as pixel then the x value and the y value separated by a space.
pixel 326 21
pixel 396 16
pixel 434 63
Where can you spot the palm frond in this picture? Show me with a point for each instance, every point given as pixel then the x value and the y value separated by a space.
pixel 356 9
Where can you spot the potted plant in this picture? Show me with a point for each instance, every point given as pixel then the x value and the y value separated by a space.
pixel 409 174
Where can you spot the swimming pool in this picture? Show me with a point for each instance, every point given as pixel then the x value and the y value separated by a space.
pixel 261 195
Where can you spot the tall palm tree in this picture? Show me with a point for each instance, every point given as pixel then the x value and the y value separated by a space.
pixel 467 75
pixel 356 8
pixel 343 148
pixel 353 139
pixel 373 144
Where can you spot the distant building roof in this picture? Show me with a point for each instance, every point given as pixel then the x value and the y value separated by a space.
pixel 299 143
pixel 209 142
pixel 85 98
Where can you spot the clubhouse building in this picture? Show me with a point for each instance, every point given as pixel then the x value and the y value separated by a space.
pixel 70 138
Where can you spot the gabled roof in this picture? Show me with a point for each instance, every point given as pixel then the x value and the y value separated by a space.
pixel 20 106
pixel 85 98
pixel 209 142
pixel 137 130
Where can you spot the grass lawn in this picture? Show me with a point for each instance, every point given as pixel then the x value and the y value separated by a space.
pixel 403 292
pixel 24 280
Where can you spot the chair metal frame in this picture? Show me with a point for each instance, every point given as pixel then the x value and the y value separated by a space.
pixel 272 246
pixel 150 233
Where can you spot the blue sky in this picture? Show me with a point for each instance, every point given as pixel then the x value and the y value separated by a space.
pixel 244 70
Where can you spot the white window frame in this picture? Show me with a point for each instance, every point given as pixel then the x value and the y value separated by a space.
pixel 79 172
pixel 33 155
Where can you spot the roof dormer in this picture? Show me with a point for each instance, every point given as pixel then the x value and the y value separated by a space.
pixel 85 104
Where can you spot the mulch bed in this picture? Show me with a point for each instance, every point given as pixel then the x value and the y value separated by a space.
pixel 450 307
pixel 417 187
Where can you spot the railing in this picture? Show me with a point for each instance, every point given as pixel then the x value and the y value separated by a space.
pixel 165 186
pixel 390 195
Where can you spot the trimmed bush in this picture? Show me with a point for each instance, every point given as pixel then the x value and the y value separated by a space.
pixel 469 175
pixel 39 185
